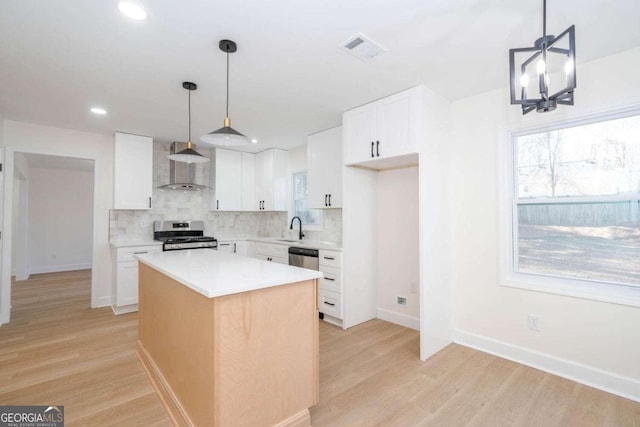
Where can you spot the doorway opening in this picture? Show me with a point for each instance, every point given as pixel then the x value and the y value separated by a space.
pixel 52 221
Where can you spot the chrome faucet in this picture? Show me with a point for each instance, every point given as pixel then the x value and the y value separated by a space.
pixel 300 233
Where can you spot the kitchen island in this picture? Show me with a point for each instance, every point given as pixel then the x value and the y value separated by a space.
pixel 229 340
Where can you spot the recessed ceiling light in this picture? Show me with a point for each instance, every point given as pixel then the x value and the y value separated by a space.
pixel 99 111
pixel 132 10
pixel 254 141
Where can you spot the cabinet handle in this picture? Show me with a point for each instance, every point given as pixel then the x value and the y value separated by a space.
pixel 149 202
pixel 330 279
pixel 217 204
pixel 378 148
pixel 329 258
pixel 224 244
pixel 372 149
pixel 329 199
pixel 325 200
pixel 329 303
pixel 143 252
pixel 234 247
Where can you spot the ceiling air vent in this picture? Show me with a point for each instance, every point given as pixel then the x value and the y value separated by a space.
pixel 362 47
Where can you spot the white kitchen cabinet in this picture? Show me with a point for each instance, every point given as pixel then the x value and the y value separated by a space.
pixel 272 252
pixel 126 276
pixel 248 185
pixel 383 129
pixel 133 171
pixel 228 181
pixel 324 169
pixel 330 298
pixel 233 247
pixel 233 182
pixel 271 180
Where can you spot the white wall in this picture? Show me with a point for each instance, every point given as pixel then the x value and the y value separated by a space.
pixel 26 137
pixel 60 220
pixel 593 342
pixel 397 250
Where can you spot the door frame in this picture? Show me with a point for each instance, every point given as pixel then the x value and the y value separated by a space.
pixel 7 226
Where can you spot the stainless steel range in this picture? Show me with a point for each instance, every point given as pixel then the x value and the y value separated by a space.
pixel 178 235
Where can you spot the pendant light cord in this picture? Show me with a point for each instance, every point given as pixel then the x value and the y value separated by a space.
pixel 544 18
pixel 189 115
pixel 227 84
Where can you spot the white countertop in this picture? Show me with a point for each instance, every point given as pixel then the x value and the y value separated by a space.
pixel 214 274
pixel 311 244
pixel 129 243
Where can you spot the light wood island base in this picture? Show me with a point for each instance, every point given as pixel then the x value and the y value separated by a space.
pixel 246 359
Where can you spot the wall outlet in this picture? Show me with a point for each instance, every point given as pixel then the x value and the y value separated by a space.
pixel 414 287
pixel 533 322
pixel 402 300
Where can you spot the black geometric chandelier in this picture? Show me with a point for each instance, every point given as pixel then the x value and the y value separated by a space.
pixel 545 75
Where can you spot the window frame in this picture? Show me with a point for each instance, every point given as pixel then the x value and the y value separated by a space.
pixel 292 204
pixel 508 218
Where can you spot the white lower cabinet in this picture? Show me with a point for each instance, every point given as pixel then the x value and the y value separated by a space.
pixel 233 247
pixel 272 252
pixel 330 296
pixel 330 304
pixel 126 276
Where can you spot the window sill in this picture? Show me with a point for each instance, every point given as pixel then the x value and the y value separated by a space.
pixel 596 291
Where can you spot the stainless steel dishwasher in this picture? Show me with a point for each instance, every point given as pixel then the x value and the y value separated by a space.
pixel 304 257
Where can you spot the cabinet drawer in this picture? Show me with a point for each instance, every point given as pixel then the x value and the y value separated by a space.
pixel 281 251
pixel 279 260
pixel 330 303
pixel 330 258
pixel 129 253
pixel 331 280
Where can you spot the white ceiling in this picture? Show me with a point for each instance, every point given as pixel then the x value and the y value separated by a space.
pixel 58 58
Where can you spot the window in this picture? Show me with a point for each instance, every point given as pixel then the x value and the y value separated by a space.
pixel 575 201
pixel 312 218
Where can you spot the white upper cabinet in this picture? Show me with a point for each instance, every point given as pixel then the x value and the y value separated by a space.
pixel 234 185
pixel 248 161
pixel 271 180
pixel 383 129
pixel 133 171
pixel 324 169
pixel 228 185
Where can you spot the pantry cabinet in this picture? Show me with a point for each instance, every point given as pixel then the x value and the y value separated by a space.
pixel 133 171
pixel 324 169
pixel 271 180
pixel 383 129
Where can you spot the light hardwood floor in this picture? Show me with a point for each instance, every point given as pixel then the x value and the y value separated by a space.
pixel 57 350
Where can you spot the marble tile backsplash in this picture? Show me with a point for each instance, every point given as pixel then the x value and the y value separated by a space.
pixel 186 205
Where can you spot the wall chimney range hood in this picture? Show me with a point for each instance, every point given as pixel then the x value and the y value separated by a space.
pixel 182 175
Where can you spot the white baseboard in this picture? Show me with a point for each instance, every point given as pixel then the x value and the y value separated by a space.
pixel 100 302
pixel 607 381
pixel 399 319
pixel 59 268
pixel 124 310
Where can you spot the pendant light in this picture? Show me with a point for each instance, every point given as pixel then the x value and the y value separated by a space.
pixel 226 136
pixel 189 155
pixel 547 70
